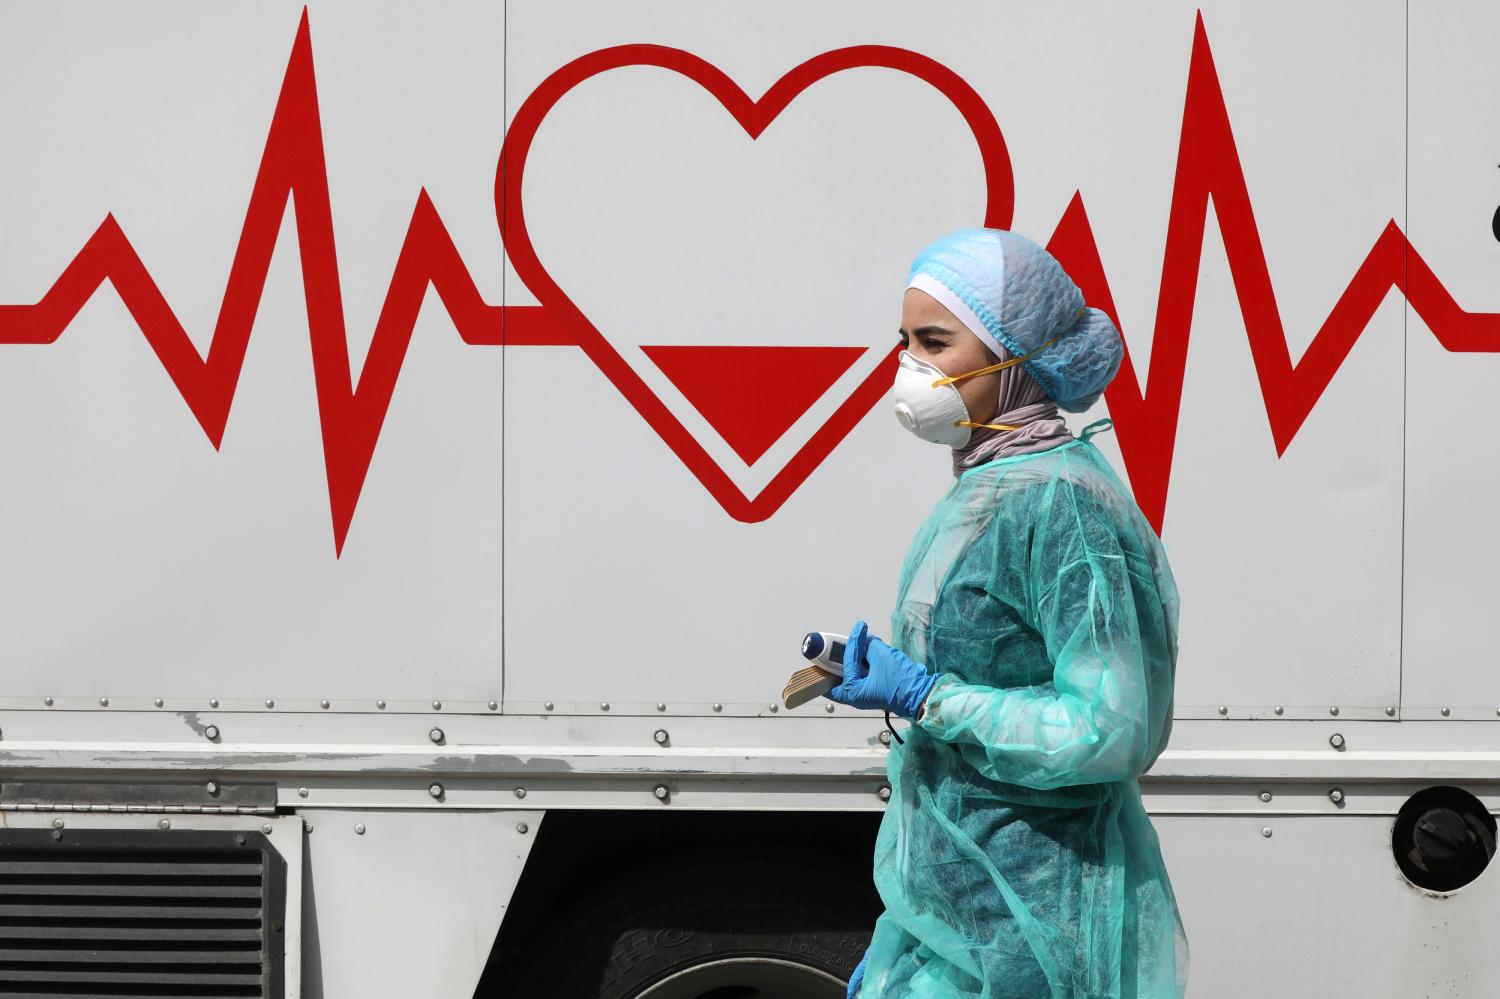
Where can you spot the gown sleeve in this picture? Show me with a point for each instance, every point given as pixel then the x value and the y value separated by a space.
pixel 1091 723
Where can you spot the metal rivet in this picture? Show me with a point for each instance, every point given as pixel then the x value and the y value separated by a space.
pixel 522 828
pixel 662 707
pixel 436 790
pixel 1391 712
pixel 302 792
pixel 1279 710
pixel 270 703
pixel 718 707
pixel 1336 796
pixel 160 702
pixel 828 708
pixel 213 787
pixel 885 738
pixel 662 792
pixel 520 792
pixel 48 702
pixel 493 706
pixel 1334 710
pixel 1265 796
pixel 437 705
pixel 359 829
pixel 213 702
pixel 1223 710
pixel 104 702
pixel 661 736
pixel 775 708
pixel 211 732
pixel 323 704
pixel 884 793
pixel 1266 831
pixel 164 824
pixel 603 705
pixel 307 826
pixel 436 735
pixel 380 705
pixel 239 841
pixel 548 705
pixel 1446 712
pixel 57 823
pixel 266 828
pixel 1336 741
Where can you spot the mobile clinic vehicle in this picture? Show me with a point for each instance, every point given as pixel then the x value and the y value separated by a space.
pixel 401 554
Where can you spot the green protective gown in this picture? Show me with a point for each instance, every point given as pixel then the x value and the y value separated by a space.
pixel 1015 859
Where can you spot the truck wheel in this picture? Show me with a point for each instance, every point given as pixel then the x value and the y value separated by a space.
pixel 736 930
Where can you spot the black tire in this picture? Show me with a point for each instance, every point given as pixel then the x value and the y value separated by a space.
pixel 743 929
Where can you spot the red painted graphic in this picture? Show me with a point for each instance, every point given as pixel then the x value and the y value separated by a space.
pixel 352 415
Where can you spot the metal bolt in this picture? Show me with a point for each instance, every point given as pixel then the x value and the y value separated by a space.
pixel 359 829
pixel 307 826
pixel 522 828
pixel 164 824
pixel 380 705
pixel 603 705
pixel 1391 712
pixel 662 792
pixel 213 787
pixel 266 828
pixel 1266 831
pixel 436 735
pixel 1334 710
pixel 1223 710
pixel 1446 712
pixel 160 702
pixel 270 703
pixel 520 792
pixel 239 841
pixel 1279 710
pixel 57 823
pixel 436 790
pixel 548 705
pixel 885 738
pixel 661 736
pixel 302 792
pixel 493 706
pixel 718 707
pixel 884 793
pixel 211 733
pixel 1265 796
pixel 104 702
pixel 437 705
pixel 213 702
pixel 1336 741
pixel 1336 796
pixel 828 708
pixel 662 707
pixel 48 702
pixel 323 704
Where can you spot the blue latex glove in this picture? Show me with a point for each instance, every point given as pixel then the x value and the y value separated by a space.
pixel 858 978
pixel 878 676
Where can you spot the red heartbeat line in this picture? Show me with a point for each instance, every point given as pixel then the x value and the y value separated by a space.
pixel 352 415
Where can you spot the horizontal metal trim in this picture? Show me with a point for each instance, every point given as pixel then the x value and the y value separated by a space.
pixel 741 762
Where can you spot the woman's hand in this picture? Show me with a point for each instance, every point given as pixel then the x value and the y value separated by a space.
pixel 880 677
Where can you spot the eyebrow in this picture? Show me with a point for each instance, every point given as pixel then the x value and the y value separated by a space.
pixel 927 329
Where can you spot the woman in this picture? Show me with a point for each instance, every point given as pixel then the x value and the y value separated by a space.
pixel 1034 647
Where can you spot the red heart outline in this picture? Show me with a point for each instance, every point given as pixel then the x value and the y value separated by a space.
pixel 754 116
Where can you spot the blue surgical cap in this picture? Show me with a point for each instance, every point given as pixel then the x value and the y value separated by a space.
pixel 1011 293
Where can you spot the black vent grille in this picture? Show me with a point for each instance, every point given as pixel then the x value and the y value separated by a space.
pixel 190 914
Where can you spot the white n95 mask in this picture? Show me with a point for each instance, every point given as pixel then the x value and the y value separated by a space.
pixel 929 406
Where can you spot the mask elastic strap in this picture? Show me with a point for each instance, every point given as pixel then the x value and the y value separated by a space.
pixel 1012 362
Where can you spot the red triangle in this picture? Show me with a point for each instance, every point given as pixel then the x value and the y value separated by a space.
pixel 752 395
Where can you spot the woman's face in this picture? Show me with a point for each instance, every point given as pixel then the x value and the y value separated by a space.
pixel 933 334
